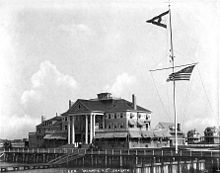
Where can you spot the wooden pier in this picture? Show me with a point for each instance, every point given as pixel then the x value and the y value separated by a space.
pixel 35 156
pixel 149 160
pixel 44 158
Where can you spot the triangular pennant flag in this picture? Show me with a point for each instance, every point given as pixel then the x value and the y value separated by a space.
pixel 158 20
pixel 183 74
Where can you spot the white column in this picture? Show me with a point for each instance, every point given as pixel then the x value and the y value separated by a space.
pixel 68 120
pixel 93 125
pixel 90 140
pixel 86 130
pixel 73 131
pixel 103 121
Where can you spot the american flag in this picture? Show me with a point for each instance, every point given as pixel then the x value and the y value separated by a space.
pixel 183 74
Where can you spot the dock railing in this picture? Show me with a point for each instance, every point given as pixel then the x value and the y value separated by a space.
pixel 45 150
pixel 146 152
pixel 157 152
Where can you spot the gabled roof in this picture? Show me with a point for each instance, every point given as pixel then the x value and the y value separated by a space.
pixel 64 114
pixel 109 105
pixel 167 125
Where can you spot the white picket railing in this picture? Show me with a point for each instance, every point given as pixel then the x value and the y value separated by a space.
pixel 44 150
pixel 147 152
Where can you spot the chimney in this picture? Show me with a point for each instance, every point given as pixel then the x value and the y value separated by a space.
pixel 42 118
pixel 134 101
pixel 178 126
pixel 70 104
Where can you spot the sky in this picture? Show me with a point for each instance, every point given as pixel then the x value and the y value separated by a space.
pixel 53 51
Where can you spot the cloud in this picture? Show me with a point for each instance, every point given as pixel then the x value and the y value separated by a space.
pixel 75 29
pixel 200 123
pixel 50 90
pixel 20 125
pixel 123 84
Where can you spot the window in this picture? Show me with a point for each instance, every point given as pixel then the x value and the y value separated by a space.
pixel 109 116
pixel 131 115
pixel 122 125
pixel 65 118
pixel 115 116
pixel 112 116
pixel 121 115
pixel 115 126
pixel 65 127
pixel 118 115
pixel 147 126
pixel 139 115
pixel 109 126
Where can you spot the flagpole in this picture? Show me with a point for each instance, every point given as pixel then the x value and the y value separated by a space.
pixel 174 84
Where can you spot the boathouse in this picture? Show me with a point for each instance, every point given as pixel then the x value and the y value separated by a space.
pixel 110 122
pixel 105 121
